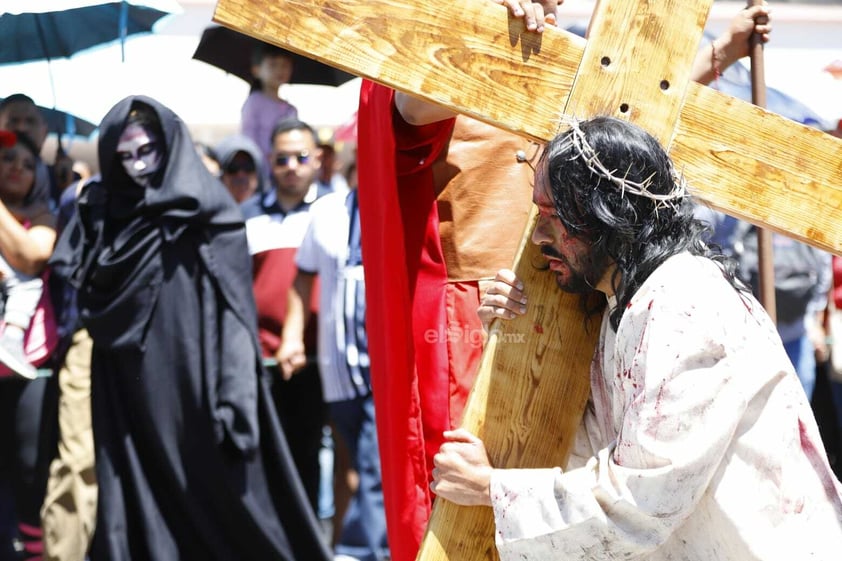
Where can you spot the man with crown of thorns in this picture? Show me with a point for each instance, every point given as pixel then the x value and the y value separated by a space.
pixel 697 441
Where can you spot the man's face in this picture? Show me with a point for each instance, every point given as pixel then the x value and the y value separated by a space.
pixel 24 117
pixel 295 162
pixel 569 257
pixel 17 172
pixel 240 177
pixel 140 153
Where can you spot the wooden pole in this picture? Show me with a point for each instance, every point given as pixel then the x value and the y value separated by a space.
pixel 765 252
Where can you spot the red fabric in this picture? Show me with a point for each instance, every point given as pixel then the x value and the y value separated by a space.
pixel 837 282
pixel 442 206
pixel 7 138
pixel 405 280
pixel 33 542
pixel 274 272
pixel 464 342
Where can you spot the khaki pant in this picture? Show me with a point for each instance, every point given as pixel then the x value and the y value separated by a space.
pixel 68 516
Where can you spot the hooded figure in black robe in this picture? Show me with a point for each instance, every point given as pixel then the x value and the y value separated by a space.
pixel 191 459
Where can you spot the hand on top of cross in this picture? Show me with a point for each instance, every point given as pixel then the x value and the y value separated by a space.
pixel 535 13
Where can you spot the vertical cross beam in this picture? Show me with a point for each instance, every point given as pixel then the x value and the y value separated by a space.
pixel 472 58
pixel 636 65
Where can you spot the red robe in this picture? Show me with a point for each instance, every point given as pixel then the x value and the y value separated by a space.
pixel 427 239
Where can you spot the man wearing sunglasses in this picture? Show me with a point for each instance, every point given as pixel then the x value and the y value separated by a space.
pixel 276 222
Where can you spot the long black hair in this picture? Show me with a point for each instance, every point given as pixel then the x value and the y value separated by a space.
pixel 635 231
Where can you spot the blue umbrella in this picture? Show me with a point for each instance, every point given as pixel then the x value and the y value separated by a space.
pixel 33 30
pixel 49 29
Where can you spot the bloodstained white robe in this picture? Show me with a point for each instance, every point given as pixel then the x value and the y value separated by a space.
pixel 698 442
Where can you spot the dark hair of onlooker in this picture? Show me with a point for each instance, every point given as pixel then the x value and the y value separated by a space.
pixel 260 52
pixel 15 98
pixel 288 125
pixel 29 144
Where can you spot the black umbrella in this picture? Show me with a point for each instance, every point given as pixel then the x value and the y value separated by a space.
pixel 231 51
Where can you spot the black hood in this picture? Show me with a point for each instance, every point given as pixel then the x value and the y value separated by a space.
pixel 182 189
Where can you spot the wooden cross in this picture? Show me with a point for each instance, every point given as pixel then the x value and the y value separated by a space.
pixel 473 58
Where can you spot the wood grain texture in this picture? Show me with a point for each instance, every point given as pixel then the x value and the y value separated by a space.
pixel 761 167
pixel 468 56
pixel 473 58
pixel 637 63
pixel 526 403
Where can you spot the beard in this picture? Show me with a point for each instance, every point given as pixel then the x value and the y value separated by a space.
pixel 581 278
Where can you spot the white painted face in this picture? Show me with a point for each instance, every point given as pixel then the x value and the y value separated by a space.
pixel 140 153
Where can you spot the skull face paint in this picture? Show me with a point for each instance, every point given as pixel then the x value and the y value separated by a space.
pixel 140 153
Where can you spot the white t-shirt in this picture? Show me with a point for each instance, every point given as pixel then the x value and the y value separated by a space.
pixel 324 251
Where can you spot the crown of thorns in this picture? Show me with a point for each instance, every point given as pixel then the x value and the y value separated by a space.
pixel 583 150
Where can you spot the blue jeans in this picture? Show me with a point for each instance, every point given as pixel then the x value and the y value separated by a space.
pixel 364 528
pixel 803 357
pixel 327 508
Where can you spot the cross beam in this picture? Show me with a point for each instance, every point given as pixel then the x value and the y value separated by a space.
pixel 473 58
